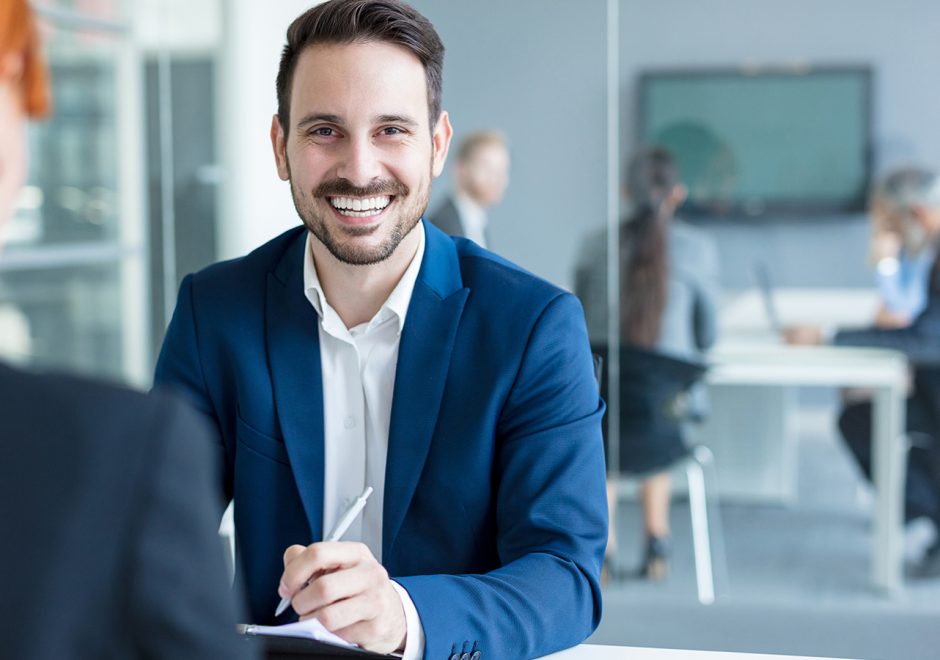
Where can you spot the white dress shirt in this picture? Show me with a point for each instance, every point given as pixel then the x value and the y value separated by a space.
pixel 473 219
pixel 358 369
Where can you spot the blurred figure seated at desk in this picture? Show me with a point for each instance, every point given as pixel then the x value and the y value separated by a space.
pixel 909 204
pixel 109 521
pixel 902 276
pixel 668 285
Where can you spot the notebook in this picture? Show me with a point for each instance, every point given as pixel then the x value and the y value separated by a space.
pixel 303 639
pixel 308 629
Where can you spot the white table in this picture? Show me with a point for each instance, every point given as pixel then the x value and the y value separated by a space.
pixel 597 652
pixel 759 363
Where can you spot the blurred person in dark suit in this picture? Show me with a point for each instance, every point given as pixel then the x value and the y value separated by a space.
pixel 481 175
pixel 107 504
pixel 909 201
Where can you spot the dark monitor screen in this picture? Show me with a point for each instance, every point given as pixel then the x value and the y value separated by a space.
pixel 750 144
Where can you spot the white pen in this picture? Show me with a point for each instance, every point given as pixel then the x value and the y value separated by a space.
pixel 338 530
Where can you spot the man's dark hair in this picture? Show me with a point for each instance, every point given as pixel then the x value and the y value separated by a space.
pixel 362 21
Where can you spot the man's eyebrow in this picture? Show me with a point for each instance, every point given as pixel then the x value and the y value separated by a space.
pixel 314 117
pixel 396 119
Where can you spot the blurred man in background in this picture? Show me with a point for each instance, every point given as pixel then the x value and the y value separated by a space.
pixel 903 278
pixel 481 175
pixel 908 206
pixel 107 511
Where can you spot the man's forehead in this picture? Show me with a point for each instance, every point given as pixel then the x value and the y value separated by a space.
pixel 365 58
pixel 377 78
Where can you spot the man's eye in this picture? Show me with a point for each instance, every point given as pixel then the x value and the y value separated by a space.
pixel 392 130
pixel 324 131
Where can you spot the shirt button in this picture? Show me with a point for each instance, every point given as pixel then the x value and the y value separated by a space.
pixel 349 422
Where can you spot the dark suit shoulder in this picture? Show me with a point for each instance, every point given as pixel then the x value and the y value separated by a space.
pixel 71 403
pixel 447 218
pixel 252 265
pixel 227 284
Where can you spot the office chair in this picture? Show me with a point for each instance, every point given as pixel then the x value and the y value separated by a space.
pixel 653 406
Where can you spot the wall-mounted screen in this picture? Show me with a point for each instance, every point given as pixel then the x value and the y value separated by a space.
pixel 751 143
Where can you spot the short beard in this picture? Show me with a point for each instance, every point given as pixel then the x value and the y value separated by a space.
pixel 408 218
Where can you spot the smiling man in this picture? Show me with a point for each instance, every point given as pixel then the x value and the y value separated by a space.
pixel 369 349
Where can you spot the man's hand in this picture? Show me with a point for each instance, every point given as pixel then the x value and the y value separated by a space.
pixel 349 592
pixel 888 320
pixel 803 335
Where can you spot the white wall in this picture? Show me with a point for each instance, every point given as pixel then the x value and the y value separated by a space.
pixel 899 39
pixel 537 71
pixel 549 100
pixel 256 205
pixel 544 86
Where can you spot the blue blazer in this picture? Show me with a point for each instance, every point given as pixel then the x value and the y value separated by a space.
pixel 495 517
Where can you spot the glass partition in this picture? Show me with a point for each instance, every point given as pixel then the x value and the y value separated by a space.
pixel 72 275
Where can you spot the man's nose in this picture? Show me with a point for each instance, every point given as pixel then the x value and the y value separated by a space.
pixel 360 162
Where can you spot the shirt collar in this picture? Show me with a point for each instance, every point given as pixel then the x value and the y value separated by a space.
pixel 395 305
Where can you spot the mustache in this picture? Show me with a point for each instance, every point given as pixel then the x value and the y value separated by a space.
pixel 343 188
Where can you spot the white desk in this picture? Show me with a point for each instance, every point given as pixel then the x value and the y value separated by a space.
pixel 750 354
pixel 745 311
pixel 597 652
pixel 885 372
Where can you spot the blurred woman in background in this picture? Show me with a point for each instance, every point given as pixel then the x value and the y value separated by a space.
pixel 668 284
pixel 24 94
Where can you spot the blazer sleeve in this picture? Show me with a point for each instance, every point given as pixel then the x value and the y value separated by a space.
pixel 551 511
pixel 180 369
pixel 920 341
pixel 180 600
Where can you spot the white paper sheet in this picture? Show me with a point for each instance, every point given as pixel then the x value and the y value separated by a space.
pixel 308 629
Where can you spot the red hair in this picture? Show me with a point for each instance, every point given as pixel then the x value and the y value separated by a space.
pixel 18 36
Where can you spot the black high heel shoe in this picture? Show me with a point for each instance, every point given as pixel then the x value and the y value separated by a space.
pixel 656 560
pixel 611 571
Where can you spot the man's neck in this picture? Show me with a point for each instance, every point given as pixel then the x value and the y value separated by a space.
pixel 357 293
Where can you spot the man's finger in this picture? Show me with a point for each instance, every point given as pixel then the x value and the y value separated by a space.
pixel 346 614
pixel 293 552
pixel 319 558
pixel 383 633
pixel 284 590
pixel 329 588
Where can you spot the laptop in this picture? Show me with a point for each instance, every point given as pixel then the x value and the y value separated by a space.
pixel 762 275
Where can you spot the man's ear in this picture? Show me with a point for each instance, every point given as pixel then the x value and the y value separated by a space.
pixel 440 143
pixel 279 144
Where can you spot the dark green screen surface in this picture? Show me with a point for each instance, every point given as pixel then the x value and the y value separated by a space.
pixel 750 144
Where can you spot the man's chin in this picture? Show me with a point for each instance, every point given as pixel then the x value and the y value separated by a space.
pixel 362 249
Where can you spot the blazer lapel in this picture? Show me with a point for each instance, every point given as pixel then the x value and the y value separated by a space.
pixel 293 344
pixel 427 341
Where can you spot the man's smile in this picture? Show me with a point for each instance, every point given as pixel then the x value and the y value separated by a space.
pixel 360 208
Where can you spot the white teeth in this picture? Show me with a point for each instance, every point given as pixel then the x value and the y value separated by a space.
pixel 367 205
